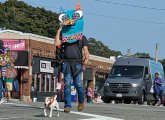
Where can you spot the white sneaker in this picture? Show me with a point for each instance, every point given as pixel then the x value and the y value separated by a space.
pixel 158 104
pixel 161 105
pixel 2 101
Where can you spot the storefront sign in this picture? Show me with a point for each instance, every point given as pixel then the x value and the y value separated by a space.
pixel 14 44
pixel 45 66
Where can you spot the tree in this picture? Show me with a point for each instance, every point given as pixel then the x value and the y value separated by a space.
pixel 143 55
pixel 17 15
pixel 99 49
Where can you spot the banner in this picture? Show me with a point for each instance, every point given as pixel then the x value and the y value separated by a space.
pixel 14 44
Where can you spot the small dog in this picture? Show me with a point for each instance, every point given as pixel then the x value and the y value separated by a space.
pixel 50 103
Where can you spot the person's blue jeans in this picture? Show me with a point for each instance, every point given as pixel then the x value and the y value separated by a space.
pixel 1 89
pixel 68 77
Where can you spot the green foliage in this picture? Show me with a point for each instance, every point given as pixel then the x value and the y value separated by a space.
pixel 143 55
pixel 99 49
pixel 17 15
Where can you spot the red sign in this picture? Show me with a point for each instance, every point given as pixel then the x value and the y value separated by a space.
pixel 14 44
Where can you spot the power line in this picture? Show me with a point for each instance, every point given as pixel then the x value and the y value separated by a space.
pixel 126 19
pixel 113 17
pixel 130 5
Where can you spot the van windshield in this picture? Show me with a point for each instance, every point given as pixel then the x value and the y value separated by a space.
pixel 127 71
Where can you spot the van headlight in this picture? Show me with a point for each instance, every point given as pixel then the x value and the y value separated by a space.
pixel 134 85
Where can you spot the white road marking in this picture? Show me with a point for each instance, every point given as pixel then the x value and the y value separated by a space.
pixel 9 118
pixel 8 103
pixel 23 105
pixel 93 116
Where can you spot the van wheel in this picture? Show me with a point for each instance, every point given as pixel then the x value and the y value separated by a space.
pixel 141 99
pixel 106 99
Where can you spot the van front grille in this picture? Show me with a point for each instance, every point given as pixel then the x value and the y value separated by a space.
pixel 120 86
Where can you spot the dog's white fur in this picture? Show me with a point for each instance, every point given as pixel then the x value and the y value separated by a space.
pixel 50 103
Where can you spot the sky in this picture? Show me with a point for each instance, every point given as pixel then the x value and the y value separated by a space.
pixel 120 24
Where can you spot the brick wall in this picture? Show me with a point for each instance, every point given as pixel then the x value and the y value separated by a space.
pixel 42 49
pixel 35 48
pixel 25 86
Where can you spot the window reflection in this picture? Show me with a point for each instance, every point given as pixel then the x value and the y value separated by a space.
pixel 38 83
pixel 52 83
pixel 43 83
pixel 47 82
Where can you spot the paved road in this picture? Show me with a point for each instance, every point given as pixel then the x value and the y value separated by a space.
pixel 34 111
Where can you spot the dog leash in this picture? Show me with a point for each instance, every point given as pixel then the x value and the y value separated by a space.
pixel 81 68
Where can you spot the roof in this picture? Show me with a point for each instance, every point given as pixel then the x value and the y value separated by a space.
pixel 12 34
pixel 101 59
pixel 101 64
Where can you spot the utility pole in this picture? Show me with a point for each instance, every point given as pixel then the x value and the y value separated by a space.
pixel 156 54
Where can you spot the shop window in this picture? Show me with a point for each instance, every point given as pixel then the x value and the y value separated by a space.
pixel 53 84
pixel 33 85
pixel 43 83
pixel 38 82
pixel 48 83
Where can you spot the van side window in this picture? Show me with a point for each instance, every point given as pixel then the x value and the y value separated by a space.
pixel 146 71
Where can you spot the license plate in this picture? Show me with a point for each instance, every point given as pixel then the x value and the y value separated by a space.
pixel 119 95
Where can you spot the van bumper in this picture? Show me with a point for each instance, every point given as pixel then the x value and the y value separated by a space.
pixel 122 96
pixel 133 93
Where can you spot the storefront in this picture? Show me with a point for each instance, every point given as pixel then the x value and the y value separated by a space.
pixel 35 54
pixel 44 78
pixel 35 75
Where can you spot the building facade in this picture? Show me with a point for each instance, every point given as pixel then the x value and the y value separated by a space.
pixel 35 75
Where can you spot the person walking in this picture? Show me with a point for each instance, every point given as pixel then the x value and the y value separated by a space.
pixel 89 94
pixel 72 67
pixel 1 91
pixel 9 88
pixel 75 54
pixel 158 89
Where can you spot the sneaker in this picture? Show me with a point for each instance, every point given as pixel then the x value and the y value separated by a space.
pixel 9 100
pixel 67 109
pixel 80 106
pixel 158 104
pixel 2 101
pixel 161 105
